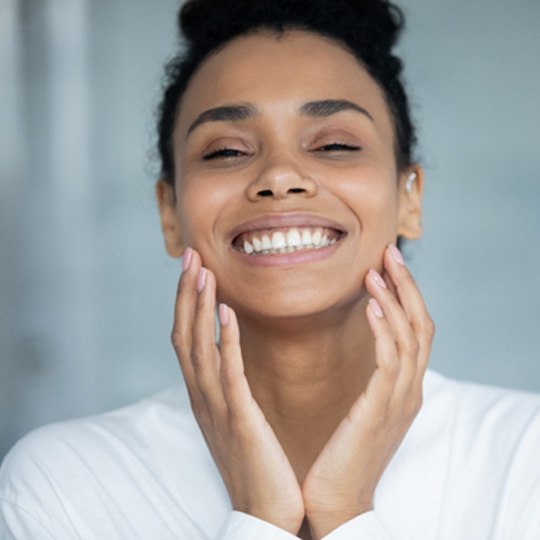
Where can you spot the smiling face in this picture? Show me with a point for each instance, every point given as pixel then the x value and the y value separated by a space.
pixel 286 179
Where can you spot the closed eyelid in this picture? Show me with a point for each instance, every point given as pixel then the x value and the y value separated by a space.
pixel 222 150
pixel 347 146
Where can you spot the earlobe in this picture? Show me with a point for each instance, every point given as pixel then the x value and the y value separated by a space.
pixel 411 186
pixel 170 224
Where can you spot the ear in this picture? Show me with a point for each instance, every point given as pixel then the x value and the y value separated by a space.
pixel 411 188
pixel 170 224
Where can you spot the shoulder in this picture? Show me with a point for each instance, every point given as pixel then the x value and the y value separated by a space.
pixel 481 408
pixel 135 468
pixel 488 438
pixel 153 413
pixel 71 451
pixel 474 449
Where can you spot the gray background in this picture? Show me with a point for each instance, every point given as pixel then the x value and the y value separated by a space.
pixel 86 290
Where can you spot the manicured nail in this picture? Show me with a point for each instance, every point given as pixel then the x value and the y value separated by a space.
pixel 396 254
pixel 377 278
pixel 376 308
pixel 201 279
pixel 186 258
pixel 223 314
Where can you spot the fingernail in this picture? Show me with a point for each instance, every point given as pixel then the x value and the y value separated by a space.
pixel 376 308
pixel 396 254
pixel 223 314
pixel 201 279
pixel 378 279
pixel 186 258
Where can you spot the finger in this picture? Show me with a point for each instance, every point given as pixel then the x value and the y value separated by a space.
pixel 184 312
pixel 389 283
pixel 412 302
pixel 205 358
pixel 235 386
pixel 400 326
pixel 381 385
pixel 401 331
pixel 405 286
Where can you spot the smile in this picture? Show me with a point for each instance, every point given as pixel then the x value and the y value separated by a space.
pixel 285 240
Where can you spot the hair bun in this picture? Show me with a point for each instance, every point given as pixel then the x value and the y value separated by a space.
pixel 377 21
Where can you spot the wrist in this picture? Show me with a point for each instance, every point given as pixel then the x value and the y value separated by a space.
pixel 324 521
pixel 279 518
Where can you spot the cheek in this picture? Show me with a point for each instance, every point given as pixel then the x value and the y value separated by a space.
pixel 203 202
pixel 373 198
pixel 195 209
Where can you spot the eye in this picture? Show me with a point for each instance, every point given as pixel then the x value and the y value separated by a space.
pixel 224 153
pixel 338 147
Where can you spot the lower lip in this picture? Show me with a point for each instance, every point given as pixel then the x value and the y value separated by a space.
pixel 290 259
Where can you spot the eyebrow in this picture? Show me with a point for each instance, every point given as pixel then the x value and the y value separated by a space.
pixel 226 113
pixel 313 109
pixel 328 107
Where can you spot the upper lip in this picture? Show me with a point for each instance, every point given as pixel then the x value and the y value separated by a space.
pixel 276 221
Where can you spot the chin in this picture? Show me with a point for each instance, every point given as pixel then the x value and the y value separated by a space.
pixel 299 304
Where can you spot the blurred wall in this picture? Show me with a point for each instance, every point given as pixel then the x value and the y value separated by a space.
pixel 86 289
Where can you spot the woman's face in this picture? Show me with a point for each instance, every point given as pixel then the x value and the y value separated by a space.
pixel 286 142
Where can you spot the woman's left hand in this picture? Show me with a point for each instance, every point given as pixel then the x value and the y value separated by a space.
pixel 341 483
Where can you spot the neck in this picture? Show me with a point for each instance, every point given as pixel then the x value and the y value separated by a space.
pixel 306 374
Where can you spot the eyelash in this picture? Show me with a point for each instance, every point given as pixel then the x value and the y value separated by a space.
pixel 339 147
pixel 225 153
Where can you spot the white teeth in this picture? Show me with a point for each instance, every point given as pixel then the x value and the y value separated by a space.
pixel 266 242
pixel 278 240
pixel 293 239
pixel 306 237
pixel 248 248
pixel 316 238
pixel 324 241
pixel 257 244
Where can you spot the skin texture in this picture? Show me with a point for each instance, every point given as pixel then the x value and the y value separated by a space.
pixel 313 385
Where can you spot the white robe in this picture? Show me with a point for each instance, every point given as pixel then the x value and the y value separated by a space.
pixel 468 469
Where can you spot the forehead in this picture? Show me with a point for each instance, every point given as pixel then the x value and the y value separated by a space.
pixel 271 70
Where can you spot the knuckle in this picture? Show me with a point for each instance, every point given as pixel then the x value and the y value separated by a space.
pixel 430 327
pixel 196 358
pixel 177 339
pixel 415 404
pixel 231 374
pixel 237 422
pixel 198 406
pixel 203 417
pixel 411 347
pixel 179 287
pixel 407 280
pixel 391 365
pixel 229 378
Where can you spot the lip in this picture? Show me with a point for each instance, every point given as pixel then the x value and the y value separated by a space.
pixel 285 220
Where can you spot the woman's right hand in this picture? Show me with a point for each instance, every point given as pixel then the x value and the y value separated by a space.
pixel 257 473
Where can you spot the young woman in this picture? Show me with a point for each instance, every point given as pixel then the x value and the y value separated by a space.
pixel 288 179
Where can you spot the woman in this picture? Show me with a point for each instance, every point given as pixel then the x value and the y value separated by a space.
pixel 288 177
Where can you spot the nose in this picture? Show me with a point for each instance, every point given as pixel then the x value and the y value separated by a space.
pixel 279 180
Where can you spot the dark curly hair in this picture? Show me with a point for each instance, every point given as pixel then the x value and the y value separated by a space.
pixel 368 29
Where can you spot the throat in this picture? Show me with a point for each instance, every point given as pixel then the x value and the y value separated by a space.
pixel 306 383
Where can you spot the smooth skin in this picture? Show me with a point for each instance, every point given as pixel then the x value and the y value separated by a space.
pixel 318 374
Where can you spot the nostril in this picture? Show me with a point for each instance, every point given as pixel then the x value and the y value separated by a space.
pixel 296 190
pixel 265 193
